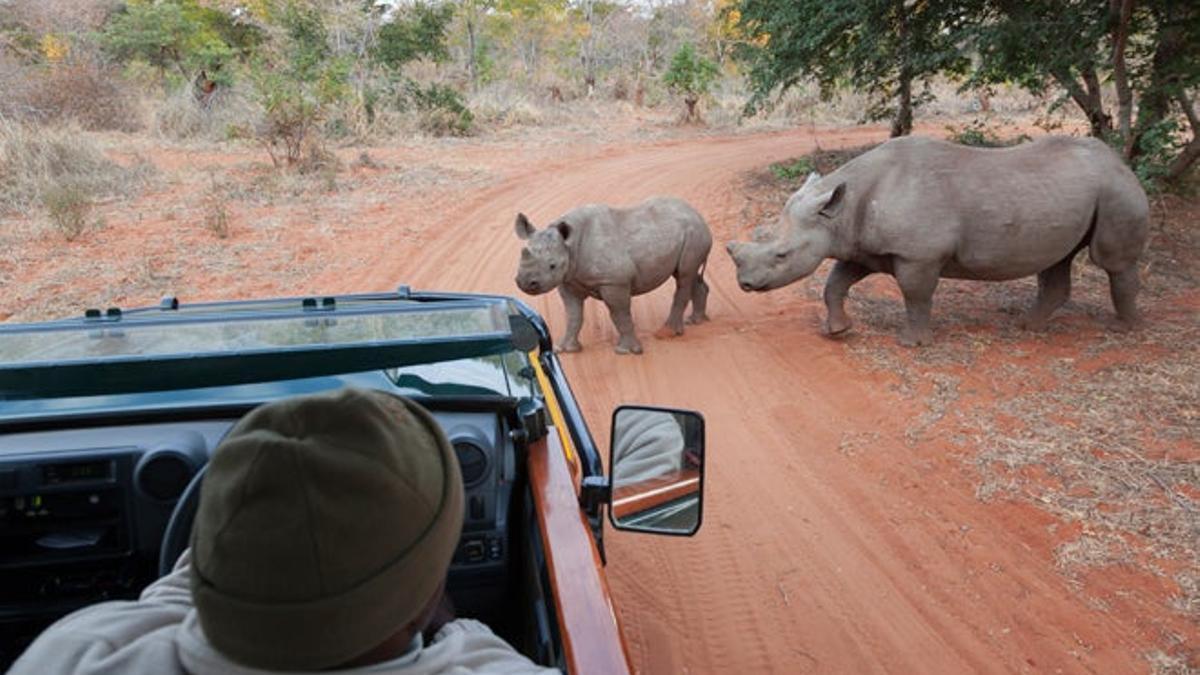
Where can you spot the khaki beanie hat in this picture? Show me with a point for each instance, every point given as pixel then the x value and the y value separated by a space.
pixel 326 523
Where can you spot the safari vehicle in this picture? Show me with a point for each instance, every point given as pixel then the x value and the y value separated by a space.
pixel 107 423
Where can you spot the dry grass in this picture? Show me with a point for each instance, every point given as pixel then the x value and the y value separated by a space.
pixel 216 215
pixel 80 90
pixel 229 113
pixel 503 105
pixel 35 159
pixel 68 207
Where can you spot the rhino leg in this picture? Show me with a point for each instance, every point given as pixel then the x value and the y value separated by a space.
pixel 684 287
pixel 918 281
pixel 617 298
pixel 1054 287
pixel 699 301
pixel 844 275
pixel 573 303
pixel 1124 286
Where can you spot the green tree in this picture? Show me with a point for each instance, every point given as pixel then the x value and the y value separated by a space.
pixel 1148 50
pixel 181 35
pixel 417 31
pixel 882 47
pixel 690 76
pixel 473 13
pixel 298 78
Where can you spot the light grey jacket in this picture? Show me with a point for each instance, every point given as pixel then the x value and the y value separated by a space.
pixel 160 633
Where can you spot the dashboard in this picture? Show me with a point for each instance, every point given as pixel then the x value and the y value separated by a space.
pixel 83 513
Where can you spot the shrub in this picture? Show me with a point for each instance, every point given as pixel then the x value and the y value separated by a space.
pixel 216 217
pixel 690 76
pixel 77 89
pixel 978 134
pixel 68 205
pixel 789 171
pixel 504 104
pixel 1157 147
pixel 227 114
pixel 290 116
pixel 34 159
pixel 441 108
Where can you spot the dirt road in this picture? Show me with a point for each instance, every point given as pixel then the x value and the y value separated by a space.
pixel 808 561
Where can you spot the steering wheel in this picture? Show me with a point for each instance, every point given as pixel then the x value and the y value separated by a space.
pixel 179 528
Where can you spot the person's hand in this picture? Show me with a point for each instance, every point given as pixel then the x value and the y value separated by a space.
pixel 442 615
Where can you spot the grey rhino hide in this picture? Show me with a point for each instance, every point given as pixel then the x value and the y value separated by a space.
pixel 613 254
pixel 921 209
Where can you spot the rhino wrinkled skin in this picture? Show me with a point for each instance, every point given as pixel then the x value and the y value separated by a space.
pixel 613 254
pixel 921 209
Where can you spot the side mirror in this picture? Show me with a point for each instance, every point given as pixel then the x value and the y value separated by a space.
pixel 656 461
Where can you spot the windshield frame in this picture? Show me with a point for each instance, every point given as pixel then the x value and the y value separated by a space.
pixel 508 327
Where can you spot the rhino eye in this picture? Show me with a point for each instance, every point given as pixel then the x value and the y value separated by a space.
pixel 553 265
pixel 780 256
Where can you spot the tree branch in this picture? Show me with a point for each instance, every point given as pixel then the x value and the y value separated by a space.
pixel 1122 12
pixel 1191 152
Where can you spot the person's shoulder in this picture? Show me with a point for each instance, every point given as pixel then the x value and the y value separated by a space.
pixel 474 648
pixel 463 627
pixel 107 637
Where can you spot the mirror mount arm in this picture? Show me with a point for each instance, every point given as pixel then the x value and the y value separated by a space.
pixel 594 491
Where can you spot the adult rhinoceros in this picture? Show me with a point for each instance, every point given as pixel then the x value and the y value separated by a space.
pixel 920 209
pixel 614 253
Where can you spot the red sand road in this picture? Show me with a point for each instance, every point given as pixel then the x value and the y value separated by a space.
pixel 807 561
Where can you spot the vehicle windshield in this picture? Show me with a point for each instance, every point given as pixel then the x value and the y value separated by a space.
pixel 232 333
pixel 247 350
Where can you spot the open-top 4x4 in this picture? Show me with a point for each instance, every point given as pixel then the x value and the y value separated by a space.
pixel 107 423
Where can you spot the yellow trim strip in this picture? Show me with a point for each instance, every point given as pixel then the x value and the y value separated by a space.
pixel 556 415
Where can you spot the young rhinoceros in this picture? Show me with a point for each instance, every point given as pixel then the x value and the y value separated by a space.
pixel 920 209
pixel 613 254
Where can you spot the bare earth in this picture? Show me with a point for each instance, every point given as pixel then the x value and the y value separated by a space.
pixel 844 529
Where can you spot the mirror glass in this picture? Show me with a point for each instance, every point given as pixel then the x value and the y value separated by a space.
pixel 657 469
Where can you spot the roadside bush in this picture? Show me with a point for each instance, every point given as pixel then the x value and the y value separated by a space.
pixel 690 76
pixel 227 114
pixel 441 110
pixel 504 105
pixel 34 159
pixel 290 121
pixel 789 171
pixel 978 133
pixel 216 216
pixel 79 89
pixel 1157 148
pixel 68 205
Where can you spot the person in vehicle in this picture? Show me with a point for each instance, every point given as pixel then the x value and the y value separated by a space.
pixel 322 541
pixel 647 444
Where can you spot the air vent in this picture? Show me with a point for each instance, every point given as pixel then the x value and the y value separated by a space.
pixel 163 475
pixel 472 461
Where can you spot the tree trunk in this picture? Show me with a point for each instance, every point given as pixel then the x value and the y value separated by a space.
pixel 1088 100
pixel 1191 152
pixel 472 68
pixel 589 47
pixel 1101 121
pixel 1122 11
pixel 903 121
pixel 1155 100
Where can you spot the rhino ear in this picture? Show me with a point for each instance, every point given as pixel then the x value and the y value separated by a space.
pixel 832 201
pixel 523 227
pixel 565 230
pixel 812 178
